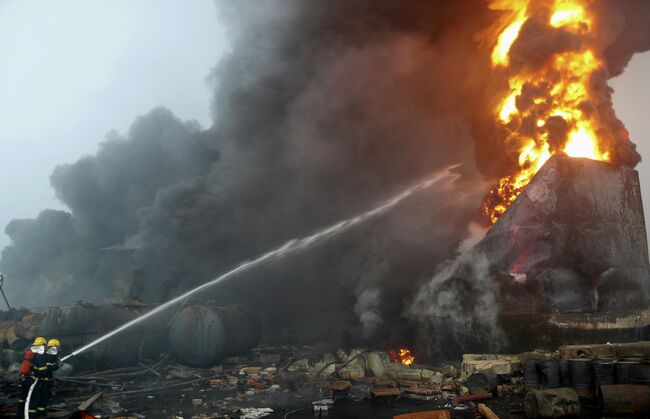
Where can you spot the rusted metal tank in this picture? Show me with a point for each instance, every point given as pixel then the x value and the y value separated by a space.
pixel 79 324
pixel 553 403
pixel 624 398
pixel 202 335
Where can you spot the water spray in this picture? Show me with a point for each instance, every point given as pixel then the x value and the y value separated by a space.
pixel 289 247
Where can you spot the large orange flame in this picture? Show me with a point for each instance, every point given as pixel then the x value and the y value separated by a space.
pixel 556 120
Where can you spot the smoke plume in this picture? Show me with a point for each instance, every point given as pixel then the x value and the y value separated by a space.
pixel 321 110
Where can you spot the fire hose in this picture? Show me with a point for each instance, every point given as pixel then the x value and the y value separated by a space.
pixel 29 398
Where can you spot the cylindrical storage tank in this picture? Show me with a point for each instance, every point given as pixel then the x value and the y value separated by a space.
pixel 202 335
pixel 582 376
pixel 550 373
pixel 624 399
pixel 80 324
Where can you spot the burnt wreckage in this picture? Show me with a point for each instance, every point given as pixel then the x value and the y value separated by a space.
pixel 570 257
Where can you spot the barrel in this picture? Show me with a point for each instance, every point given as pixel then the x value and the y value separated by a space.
pixel 604 372
pixel 552 403
pixel 550 373
pixel 482 382
pixel 565 372
pixel 624 398
pixel 622 371
pixel 202 335
pixel 582 376
pixel 531 374
pixel 640 373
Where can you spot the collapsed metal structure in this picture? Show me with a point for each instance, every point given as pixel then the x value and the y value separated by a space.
pixel 570 257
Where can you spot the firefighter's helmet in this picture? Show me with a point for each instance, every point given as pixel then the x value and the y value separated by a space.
pixel 53 342
pixel 39 341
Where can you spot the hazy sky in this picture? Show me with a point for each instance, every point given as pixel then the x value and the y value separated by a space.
pixel 72 70
pixel 631 95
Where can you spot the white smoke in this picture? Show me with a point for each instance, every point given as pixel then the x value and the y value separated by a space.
pixel 367 309
pixel 457 306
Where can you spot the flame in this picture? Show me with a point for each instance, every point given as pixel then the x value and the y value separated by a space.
pixel 510 33
pixel 553 118
pixel 403 355
pixel 568 12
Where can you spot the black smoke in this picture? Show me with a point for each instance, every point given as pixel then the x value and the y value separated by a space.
pixel 321 110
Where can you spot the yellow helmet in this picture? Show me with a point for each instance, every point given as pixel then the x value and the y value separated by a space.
pixel 53 342
pixel 39 341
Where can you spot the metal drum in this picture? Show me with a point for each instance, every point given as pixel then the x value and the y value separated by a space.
pixel 550 373
pixel 640 373
pixel 482 382
pixel 531 374
pixel 582 376
pixel 623 369
pixel 604 372
pixel 565 373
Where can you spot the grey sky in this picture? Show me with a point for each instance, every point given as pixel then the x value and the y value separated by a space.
pixel 631 93
pixel 72 70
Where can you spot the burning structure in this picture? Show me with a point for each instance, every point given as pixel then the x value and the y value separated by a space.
pixel 557 101
pixel 566 255
pixel 570 256
pixel 568 247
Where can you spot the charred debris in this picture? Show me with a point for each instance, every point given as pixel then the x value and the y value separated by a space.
pixel 298 381
pixel 208 362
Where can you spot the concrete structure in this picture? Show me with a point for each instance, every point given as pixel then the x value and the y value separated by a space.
pixel 570 256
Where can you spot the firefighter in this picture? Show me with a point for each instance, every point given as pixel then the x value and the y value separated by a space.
pixel 26 380
pixel 44 387
pixel 40 375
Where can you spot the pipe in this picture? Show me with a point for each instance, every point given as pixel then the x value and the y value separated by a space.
pixel 472 398
pixel 486 412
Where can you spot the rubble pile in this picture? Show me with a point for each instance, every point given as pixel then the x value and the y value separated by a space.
pixel 271 380
pixel 18 328
pixel 298 381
